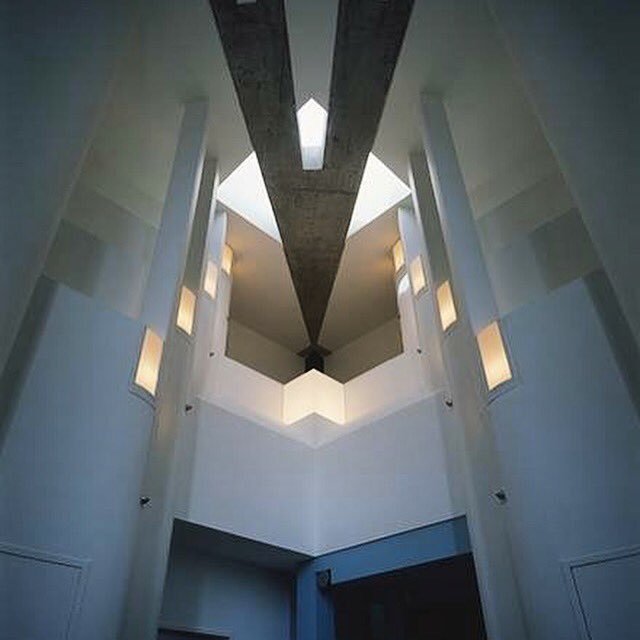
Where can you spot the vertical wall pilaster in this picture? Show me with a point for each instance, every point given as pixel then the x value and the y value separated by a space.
pixel 470 448
pixel 177 258
pixel 423 303
pixel 458 226
pixel 170 253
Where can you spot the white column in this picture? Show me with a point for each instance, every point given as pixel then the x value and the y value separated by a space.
pixel 177 239
pixel 469 444
pixel 470 275
pixel 170 254
pixel 422 304
pixel 207 343
pixel 408 324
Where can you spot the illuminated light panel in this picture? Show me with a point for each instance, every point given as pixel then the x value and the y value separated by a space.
pixel 227 259
pixel 244 192
pixel 211 279
pixel 418 280
pixel 149 359
pixel 312 129
pixel 186 310
pixel 493 354
pixel 380 190
pixel 398 255
pixel 313 392
pixel 446 305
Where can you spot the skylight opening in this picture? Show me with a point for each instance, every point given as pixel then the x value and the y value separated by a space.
pixel 312 129
pixel 380 190
pixel 245 193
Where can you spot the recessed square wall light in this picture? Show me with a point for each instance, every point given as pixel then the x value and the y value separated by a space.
pixel 227 259
pixel 211 279
pixel 398 255
pixel 446 305
pixel 186 310
pixel 493 354
pixel 418 280
pixel 149 360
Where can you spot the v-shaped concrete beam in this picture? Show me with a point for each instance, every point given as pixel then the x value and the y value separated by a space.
pixel 312 208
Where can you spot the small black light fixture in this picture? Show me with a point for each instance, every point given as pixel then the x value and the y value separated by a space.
pixel 323 579
pixel 500 496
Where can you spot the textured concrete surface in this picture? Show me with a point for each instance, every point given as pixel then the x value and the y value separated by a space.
pixel 312 208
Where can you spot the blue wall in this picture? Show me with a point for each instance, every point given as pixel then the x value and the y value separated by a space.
pixel 314 611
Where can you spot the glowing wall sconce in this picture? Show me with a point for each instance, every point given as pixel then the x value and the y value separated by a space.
pixel 493 354
pixel 446 305
pixel 398 255
pixel 148 369
pixel 227 259
pixel 418 280
pixel 186 310
pixel 211 279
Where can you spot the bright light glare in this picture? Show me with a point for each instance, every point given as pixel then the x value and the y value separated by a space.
pixel 380 190
pixel 312 128
pixel 244 192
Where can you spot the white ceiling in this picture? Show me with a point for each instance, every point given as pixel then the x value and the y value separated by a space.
pixel 176 55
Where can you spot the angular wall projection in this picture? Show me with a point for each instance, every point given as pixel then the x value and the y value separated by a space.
pixel 313 392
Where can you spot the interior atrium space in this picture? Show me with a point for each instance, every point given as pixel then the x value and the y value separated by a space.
pixel 320 320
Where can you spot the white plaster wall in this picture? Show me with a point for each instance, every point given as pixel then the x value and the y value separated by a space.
pixel 49 124
pixel 366 352
pixel 387 477
pixel 266 356
pixel 569 440
pixel 74 453
pixel 384 389
pixel 240 389
pixel 579 64
pixel 226 597
pixel 251 481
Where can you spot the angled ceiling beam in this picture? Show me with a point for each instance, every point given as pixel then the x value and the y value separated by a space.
pixel 312 208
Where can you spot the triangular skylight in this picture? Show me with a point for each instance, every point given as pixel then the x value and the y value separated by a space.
pixel 380 190
pixel 244 191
